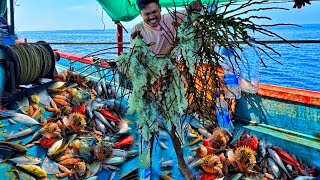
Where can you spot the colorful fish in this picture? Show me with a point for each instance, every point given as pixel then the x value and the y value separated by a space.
pixel 33 170
pixel 124 142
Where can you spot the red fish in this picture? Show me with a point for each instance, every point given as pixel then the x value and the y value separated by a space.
pixel 81 109
pixel 250 141
pixel 284 156
pixel 45 142
pixel 57 78
pixel 207 176
pixel 206 142
pixel 210 149
pixel 287 158
pixel 125 141
pixel 108 115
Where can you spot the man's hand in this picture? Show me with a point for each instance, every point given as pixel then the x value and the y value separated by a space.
pixel 299 3
pixel 135 34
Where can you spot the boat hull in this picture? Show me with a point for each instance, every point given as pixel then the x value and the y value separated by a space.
pixel 284 117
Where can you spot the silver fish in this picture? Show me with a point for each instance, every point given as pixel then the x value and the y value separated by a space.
pixel 123 126
pixel 100 125
pixel 114 104
pixel 109 89
pixel 237 176
pixel 237 135
pixel 191 135
pixel 112 138
pixel 89 109
pixel 132 153
pixel 189 159
pixel 71 138
pixel 11 121
pixel 72 85
pixel 104 87
pixel 21 118
pixel 96 105
pixel 273 167
pixel 167 163
pixel 56 85
pixel 204 132
pixel 162 145
pixel 98 88
pixel 92 178
pixel 95 168
pixel 109 103
pixel 25 160
pixel 112 175
pixel 262 147
pixel 304 178
pixel 24 176
pixel 36 135
pixel 22 133
pixel 289 167
pixel 119 153
pixel 109 167
pixel 116 161
pixel 195 164
pixel 24 105
pixel 277 159
pixel 44 97
pixel 103 120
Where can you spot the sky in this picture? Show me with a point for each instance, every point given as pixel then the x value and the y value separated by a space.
pixel 43 15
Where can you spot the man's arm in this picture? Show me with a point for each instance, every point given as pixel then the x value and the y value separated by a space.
pixel 192 7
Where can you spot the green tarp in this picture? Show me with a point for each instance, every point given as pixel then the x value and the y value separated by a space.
pixel 126 10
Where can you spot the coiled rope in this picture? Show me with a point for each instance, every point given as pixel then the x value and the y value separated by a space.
pixel 32 61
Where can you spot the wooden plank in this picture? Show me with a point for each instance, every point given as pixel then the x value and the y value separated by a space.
pixel 290 94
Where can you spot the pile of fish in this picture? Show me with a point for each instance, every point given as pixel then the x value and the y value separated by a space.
pixel 72 129
pixel 221 155
pixel 75 129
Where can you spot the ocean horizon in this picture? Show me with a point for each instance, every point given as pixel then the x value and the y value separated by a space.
pixel 300 66
pixel 25 31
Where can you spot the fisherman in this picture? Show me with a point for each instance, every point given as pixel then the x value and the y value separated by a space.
pixel 159 29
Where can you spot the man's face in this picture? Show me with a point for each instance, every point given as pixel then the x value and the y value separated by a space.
pixel 151 14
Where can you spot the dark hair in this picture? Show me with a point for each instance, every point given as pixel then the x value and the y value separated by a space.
pixel 143 3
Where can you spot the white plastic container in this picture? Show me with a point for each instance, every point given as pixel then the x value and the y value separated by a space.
pixel 249 68
pixel 232 88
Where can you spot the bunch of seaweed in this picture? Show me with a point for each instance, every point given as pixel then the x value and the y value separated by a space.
pixel 165 93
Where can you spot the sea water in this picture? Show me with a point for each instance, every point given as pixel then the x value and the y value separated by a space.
pixel 299 68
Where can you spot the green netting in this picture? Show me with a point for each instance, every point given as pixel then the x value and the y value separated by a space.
pixel 126 10
pixel 3 7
